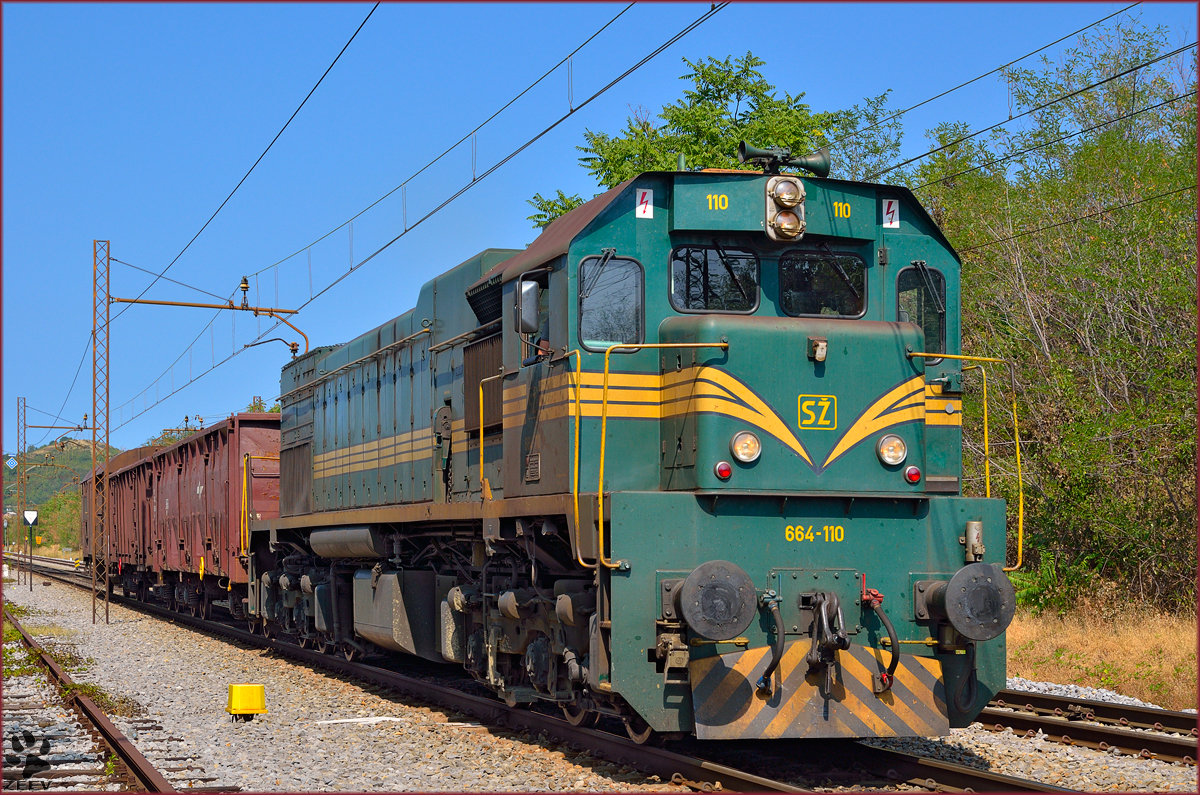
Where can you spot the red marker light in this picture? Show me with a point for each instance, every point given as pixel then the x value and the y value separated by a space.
pixel 912 474
pixel 723 470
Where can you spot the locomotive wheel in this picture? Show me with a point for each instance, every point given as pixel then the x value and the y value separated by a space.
pixel 578 716
pixel 352 654
pixel 638 730
pixel 252 626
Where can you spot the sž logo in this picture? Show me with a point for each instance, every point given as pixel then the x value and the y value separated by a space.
pixel 818 412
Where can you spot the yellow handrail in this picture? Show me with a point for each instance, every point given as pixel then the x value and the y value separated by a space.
pixel 987 451
pixel 485 488
pixel 244 534
pixel 1016 440
pixel 604 427
pixel 575 481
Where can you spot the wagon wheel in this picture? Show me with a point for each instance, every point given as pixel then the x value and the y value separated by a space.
pixel 252 626
pixel 352 654
pixel 576 715
pixel 206 608
pixel 638 730
pixel 306 643
pixel 195 608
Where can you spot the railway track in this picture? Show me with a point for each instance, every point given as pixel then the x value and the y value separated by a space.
pixel 1141 731
pixel 689 769
pixel 132 768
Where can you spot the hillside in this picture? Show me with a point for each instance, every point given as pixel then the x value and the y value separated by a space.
pixel 50 471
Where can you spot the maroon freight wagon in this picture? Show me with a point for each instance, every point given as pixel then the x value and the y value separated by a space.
pixel 179 515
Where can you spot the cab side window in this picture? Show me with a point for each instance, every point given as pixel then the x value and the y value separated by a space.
pixel 611 302
pixel 921 299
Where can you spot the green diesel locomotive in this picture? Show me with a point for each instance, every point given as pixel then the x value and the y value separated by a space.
pixel 692 459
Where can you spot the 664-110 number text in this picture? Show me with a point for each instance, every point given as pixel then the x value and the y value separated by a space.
pixel 828 532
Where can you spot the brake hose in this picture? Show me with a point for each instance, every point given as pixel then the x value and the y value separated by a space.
pixel 962 682
pixel 875 600
pixel 764 681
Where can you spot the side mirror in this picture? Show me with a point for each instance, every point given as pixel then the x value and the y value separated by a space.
pixel 528 298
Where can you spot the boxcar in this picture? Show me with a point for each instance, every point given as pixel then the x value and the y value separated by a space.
pixel 180 513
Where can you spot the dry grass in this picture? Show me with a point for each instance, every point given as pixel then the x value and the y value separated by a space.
pixel 50 630
pixel 1135 650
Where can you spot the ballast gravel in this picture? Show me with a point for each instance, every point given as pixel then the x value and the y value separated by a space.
pixel 181 678
pixel 1078 691
pixel 383 743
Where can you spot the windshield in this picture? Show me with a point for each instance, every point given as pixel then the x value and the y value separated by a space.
pixel 714 278
pixel 815 283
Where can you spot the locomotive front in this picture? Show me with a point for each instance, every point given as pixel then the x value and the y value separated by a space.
pixel 789 553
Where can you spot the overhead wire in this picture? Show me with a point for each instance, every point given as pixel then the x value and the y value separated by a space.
pixel 713 10
pixel 256 162
pixel 898 114
pixel 450 148
pixel 1076 219
pixel 1035 147
pixel 70 389
pixel 165 278
pixel 1041 107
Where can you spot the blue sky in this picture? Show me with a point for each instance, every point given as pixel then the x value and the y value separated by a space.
pixel 133 122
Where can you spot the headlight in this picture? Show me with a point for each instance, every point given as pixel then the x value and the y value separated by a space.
pixel 787 224
pixel 892 450
pixel 745 447
pixel 787 193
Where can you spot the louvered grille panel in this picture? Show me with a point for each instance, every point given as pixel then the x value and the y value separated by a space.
pixel 481 360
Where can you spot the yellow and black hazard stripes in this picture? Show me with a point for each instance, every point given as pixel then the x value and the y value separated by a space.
pixel 941 409
pixel 899 405
pixel 728 706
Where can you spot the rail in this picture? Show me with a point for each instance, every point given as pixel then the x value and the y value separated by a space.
pixel 600 559
pixel 672 765
pixel 986 454
pixel 147 776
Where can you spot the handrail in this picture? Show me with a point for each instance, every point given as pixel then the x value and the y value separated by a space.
pixel 478 331
pixel 987 452
pixel 244 534
pixel 359 360
pixel 485 488
pixel 603 430
pixel 1016 440
pixel 575 482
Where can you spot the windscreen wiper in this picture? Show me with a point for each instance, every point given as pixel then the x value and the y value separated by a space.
pixel 837 266
pixel 729 269
pixel 921 266
pixel 606 255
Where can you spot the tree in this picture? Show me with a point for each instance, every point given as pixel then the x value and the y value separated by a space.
pixel 1096 307
pixel 730 101
pixel 549 209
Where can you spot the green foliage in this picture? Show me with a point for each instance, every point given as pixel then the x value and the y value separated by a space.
pixel 258 405
pixel 1097 314
pixel 59 519
pixel 552 208
pixel 50 469
pixel 727 102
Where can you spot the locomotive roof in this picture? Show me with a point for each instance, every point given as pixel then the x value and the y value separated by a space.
pixel 556 239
